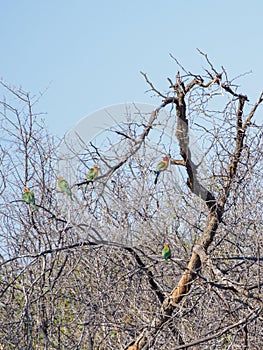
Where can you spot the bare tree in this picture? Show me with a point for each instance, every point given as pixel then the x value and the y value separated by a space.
pixel 86 272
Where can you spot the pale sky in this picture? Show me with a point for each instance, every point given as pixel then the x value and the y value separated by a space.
pixel 88 54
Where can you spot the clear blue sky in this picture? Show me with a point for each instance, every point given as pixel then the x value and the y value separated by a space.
pixel 89 53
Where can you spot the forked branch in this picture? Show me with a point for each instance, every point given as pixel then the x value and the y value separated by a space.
pixel 215 209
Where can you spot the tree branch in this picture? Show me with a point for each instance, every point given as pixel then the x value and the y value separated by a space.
pixel 215 211
pixel 252 315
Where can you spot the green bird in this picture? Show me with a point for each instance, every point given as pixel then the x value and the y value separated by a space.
pixel 29 197
pixel 93 173
pixel 161 166
pixel 63 186
pixel 166 252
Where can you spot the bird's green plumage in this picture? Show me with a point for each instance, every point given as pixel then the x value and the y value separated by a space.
pixel 29 198
pixel 63 186
pixel 166 252
pixel 93 173
pixel 161 166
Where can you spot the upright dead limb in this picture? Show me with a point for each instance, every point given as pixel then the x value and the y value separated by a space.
pixel 215 208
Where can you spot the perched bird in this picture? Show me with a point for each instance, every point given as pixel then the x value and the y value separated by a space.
pixel 63 186
pixel 93 173
pixel 29 197
pixel 166 252
pixel 161 166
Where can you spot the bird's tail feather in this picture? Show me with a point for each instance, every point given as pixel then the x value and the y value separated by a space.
pixel 35 206
pixel 156 178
